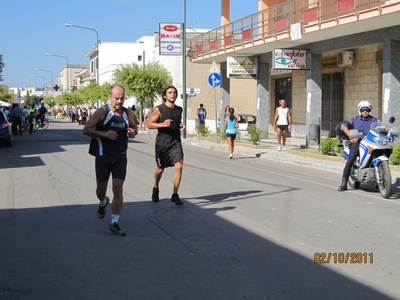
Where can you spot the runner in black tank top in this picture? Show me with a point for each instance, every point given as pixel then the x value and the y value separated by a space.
pixel 109 128
pixel 168 147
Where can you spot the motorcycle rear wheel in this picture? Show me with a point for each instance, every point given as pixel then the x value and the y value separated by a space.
pixel 45 124
pixel 385 186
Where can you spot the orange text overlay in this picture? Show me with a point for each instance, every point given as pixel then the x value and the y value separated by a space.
pixel 343 257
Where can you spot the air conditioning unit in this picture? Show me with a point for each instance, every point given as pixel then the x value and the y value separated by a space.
pixel 345 59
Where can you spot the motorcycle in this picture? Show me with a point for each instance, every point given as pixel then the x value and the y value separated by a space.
pixel 372 163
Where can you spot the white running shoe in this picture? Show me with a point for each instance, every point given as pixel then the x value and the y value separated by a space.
pixel 230 156
pixel 283 148
pixel 279 148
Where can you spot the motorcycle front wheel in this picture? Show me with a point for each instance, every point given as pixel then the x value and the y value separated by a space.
pixel 386 184
pixel 353 183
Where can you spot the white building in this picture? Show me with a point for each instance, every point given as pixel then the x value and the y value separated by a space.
pixel 112 55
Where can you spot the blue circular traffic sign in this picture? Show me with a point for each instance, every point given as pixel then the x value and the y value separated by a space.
pixel 214 79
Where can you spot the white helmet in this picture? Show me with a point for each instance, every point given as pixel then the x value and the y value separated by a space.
pixel 364 104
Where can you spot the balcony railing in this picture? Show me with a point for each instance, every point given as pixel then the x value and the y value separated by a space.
pixel 274 23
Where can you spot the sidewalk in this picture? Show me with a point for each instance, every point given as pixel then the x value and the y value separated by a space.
pixel 295 154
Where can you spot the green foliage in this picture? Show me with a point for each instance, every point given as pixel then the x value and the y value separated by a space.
pixel 71 99
pixel 2 96
pixel 31 100
pixel 93 92
pixel 331 146
pixel 202 130
pixel 221 133
pixel 395 157
pixel 255 134
pixel 144 84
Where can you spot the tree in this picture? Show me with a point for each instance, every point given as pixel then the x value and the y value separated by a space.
pixel 144 84
pixel 31 100
pixel 93 92
pixel 2 65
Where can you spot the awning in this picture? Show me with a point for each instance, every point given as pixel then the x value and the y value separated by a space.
pixel 2 103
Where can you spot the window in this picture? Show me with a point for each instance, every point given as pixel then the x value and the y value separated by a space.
pixel 139 58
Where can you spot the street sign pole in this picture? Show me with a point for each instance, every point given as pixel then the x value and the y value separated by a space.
pixel 214 79
pixel 215 111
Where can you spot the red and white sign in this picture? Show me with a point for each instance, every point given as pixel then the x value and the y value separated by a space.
pixel 170 39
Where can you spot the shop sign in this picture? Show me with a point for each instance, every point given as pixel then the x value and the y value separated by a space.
pixel 289 59
pixel 241 67
pixel 170 39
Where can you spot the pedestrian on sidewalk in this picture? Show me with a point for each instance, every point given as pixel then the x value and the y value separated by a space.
pixel 231 125
pixel 226 111
pixel 167 119
pixel 282 123
pixel 110 126
pixel 16 114
pixel 202 115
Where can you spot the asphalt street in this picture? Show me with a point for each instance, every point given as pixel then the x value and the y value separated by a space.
pixel 264 225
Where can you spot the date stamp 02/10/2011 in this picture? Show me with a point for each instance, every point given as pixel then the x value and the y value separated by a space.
pixel 343 257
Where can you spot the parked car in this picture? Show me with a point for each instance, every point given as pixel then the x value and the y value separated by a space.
pixel 5 130
pixel 245 120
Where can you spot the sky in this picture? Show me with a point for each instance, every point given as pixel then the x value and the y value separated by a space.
pixel 29 29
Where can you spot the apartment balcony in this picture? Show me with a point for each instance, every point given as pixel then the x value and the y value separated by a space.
pixel 281 25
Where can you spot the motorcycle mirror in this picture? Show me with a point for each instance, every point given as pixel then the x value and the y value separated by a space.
pixel 392 119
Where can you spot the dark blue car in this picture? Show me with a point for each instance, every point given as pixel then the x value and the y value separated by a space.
pixel 5 130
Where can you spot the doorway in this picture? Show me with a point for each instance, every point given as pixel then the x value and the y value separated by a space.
pixel 332 102
pixel 283 90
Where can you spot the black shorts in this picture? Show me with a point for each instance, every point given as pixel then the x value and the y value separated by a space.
pixel 105 166
pixel 282 127
pixel 168 156
pixel 231 135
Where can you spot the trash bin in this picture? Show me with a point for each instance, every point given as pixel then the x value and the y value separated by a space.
pixel 314 133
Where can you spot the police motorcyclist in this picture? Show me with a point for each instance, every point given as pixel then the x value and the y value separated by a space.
pixel 362 123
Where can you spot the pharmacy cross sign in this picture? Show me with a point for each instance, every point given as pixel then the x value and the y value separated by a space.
pixel 214 79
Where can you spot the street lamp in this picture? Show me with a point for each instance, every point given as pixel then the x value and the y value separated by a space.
pixel 97 47
pixel 52 84
pixel 184 104
pixel 49 54
pixel 44 83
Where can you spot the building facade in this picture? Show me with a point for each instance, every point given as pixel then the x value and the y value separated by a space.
pixel 351 53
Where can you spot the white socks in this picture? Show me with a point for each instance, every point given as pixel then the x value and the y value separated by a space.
pixel 114 218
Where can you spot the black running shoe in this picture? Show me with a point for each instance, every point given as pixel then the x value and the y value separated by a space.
pixel 154 195
pixel 101 211
pixel 114 227
pixel 176 200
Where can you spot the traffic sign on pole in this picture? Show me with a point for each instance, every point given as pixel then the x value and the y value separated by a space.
pixel 214 68
pixel 214 79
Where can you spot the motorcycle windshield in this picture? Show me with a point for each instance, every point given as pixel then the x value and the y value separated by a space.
pixel 379 128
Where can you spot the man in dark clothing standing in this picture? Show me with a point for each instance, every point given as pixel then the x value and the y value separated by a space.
pixel 16 114
pixel 167 118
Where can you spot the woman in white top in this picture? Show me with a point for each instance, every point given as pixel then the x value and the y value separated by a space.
pixel 282 123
